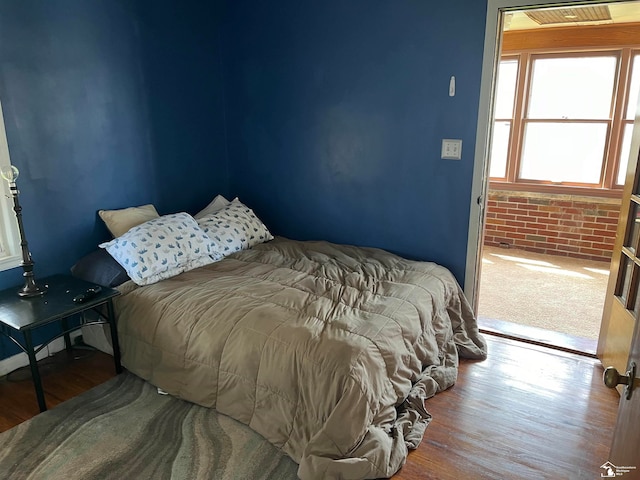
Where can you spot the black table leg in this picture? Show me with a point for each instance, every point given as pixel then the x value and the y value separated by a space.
pixel 35 373
pixel 114 336
pixel 67 337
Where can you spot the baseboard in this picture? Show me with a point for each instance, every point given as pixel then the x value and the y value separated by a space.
pixel 20 360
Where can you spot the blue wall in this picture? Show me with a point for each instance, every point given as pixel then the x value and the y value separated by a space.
pixel 336 111
pixel 76 119
pixel 107 104
pixel 325 117
pixel 182 56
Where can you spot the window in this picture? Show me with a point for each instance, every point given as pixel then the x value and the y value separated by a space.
pixel 628 119
pixel 505 99
pixel 561 120
pixel 10 253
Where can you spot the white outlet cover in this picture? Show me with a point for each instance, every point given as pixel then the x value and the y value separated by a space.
pixel 451 149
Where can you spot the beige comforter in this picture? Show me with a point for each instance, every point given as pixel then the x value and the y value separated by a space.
pixel 327 351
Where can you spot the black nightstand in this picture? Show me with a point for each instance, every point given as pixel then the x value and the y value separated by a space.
pixel 19 314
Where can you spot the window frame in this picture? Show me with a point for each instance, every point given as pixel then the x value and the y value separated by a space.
pixel 607 186
pixel 9 232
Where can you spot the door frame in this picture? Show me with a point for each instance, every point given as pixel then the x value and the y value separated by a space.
pixel 480 182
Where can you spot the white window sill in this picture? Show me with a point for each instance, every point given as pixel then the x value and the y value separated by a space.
pixel 7 263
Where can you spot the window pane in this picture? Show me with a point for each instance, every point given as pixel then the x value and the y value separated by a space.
pixel 624 282
pixel 506 89
pixel 573 88
pixel 633 229
pixel 635 87
pixel 624 153
pixel 499 149
pixel 563 152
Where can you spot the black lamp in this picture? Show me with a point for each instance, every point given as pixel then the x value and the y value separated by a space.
pixel 30 288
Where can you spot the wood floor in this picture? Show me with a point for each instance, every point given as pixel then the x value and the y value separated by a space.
pixel 527 412
pixel 63 376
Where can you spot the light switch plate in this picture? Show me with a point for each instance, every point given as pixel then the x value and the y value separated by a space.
pixel 451 149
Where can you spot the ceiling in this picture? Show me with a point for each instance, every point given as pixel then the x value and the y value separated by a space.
pixel 622 12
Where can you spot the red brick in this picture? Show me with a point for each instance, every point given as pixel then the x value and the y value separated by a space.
pixel 591 225
pixel 591 238
pixel 506 228
pixel 602 246
pixel 558 240
pixel 518 211
pixel 548 221
pixel 539 214
pixel 526 243
pixel 536 226
pixel 605 233
pixel 527 207
pixel 527 230
pixel 568 248
pixel 513 223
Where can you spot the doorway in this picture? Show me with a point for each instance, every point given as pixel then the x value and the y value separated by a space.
pixel 549 231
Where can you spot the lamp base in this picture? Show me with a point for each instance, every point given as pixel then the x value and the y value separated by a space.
pixel 32 290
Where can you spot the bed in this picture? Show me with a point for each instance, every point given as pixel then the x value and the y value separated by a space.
pixel 328 351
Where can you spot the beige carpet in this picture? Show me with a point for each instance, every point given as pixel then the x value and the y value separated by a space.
pixel 546 291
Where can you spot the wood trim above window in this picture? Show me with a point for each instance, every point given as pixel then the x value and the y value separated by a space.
pixel 595 36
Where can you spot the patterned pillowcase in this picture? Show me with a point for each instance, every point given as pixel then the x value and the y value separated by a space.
pixel 162 248
pixel 233 228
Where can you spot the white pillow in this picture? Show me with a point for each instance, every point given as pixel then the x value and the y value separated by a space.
pixel 216 204
pixel 162 248
pixel 233 228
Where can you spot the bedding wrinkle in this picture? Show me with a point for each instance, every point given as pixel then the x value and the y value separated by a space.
pixel 327 351
pixel 341 300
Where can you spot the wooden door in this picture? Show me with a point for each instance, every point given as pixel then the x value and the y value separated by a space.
pixel 625 448
pixel 622 302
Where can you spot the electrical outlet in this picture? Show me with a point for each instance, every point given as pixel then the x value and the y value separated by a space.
pixel 451 149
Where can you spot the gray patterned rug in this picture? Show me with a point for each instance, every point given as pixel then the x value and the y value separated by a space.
pixel 124 429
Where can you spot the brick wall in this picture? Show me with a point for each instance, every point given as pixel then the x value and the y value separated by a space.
pixel 583 227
